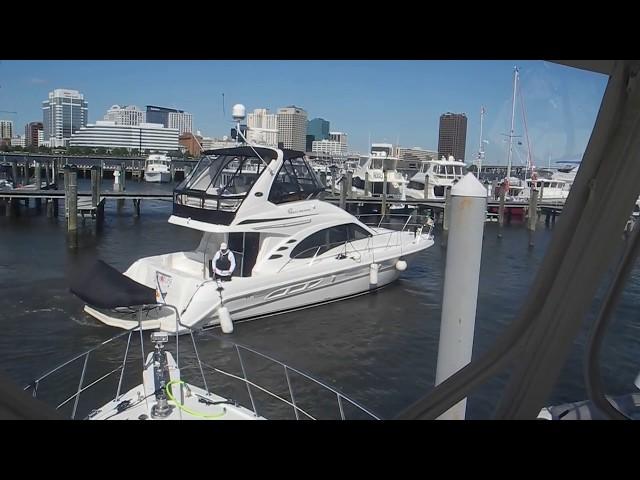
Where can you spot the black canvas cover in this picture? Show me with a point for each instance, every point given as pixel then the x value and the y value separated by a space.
pixel 102 286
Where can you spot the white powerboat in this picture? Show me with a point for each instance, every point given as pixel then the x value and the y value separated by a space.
pixel 292 249
pixel 157 168
pixel 368 179
pixel 441 173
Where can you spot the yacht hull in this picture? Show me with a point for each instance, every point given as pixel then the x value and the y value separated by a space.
pixel 247 298
pixel 157 177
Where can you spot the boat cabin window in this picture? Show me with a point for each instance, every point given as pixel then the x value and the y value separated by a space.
pixel 295 181
pixel 416 185
pixel 327 239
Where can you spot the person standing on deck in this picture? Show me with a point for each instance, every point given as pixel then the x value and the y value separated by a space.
pixel 224 263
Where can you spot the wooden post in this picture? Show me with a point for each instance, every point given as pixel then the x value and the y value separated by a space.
pixel 367 184
pixel 123 177
pixel 38 177
pixel 426 187
pixel 501 213
pixel 14 173
pixel 66 171
pixel 533 215
pixel 383 209
pixel 348 177
pixel 72 195
pixel 95 186
pixel 343 194
pixel 333 183
pixel 50 207
pixel 446 217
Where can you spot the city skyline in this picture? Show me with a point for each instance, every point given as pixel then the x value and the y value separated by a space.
pixel 384 101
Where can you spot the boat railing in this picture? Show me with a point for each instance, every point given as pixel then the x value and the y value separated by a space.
pixel 241 351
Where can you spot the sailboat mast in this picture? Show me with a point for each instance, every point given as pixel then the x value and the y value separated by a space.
pixel 513 115
pixel 480 152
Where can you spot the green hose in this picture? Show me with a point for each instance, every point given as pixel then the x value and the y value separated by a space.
pixel 186 409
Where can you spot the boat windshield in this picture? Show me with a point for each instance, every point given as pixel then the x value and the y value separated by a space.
pixel 224 175
pixel 215 189
pixel 383 163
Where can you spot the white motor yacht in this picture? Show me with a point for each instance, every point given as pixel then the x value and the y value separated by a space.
pixel 157 168
pixel 441 173
pixel 368 179
pixel 292 249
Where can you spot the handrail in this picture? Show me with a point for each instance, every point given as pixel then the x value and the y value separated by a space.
pixel 294 402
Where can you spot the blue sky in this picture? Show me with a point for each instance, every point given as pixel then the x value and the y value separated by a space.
pixel 386 100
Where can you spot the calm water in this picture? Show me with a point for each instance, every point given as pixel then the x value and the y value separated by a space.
pixel 379 349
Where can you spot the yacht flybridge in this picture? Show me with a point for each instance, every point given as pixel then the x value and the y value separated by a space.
pixel 292 249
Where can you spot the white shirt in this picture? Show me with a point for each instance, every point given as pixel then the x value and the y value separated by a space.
pixel 232 260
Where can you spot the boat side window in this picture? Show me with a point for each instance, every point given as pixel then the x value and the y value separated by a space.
pixel 450 170
pixel 308 247
pixel 416 185
pixel 546 184
pixel 327 239
pixel 356 232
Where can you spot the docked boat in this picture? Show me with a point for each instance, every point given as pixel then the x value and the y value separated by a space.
pixel 441 174
pixel 368 179
pixel 292 249
pixel 157 168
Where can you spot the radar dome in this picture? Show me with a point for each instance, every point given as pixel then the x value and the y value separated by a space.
pixel 238 112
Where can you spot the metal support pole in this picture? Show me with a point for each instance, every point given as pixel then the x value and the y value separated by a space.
pixel 462 274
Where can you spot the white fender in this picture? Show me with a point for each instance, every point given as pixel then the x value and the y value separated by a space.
pixel 225 320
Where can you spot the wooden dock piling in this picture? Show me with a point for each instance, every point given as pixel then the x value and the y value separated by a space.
pixel 533 216
pixel 501 212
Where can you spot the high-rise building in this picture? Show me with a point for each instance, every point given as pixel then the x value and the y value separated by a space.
pixel 292 127
pixel 160 114
pixel 146 136
pixel 64 113
pixel 6 129
pixel 262 128
pixel 453 135
pixel 330 147
pixel 32 133
pixel 339 137
pixel 125 115
pixel 317 129
pixel 18 141
pixel 182 121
